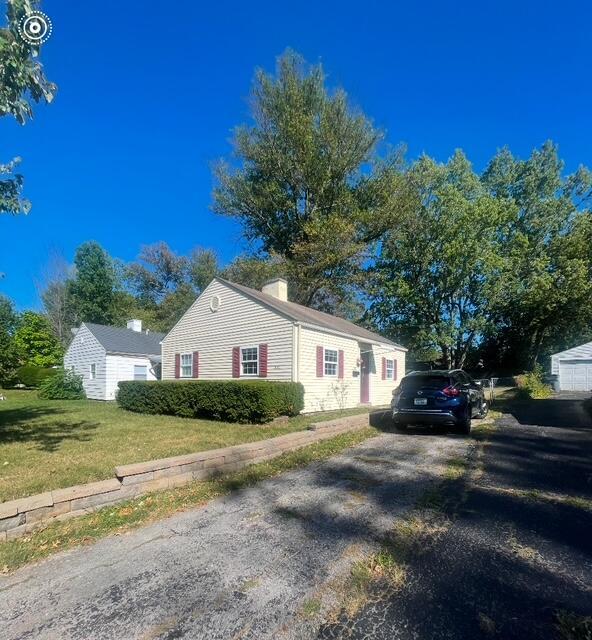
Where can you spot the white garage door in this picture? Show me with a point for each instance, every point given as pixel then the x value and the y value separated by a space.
pixel 575 375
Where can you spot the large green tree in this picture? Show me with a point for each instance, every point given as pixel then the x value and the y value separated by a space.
pixel 35 341
pixel 9 358
pixel 547 301
pixel 91 293
pixel 438 273
pixel 22 83
pixel 309 188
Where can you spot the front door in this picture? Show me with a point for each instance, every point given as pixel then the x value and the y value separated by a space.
pixel 365 377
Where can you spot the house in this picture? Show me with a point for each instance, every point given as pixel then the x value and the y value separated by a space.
pixel 233 331
pixel 104 356
pixel 573 368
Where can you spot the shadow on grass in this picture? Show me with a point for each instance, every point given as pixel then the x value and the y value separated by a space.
pixel 18 425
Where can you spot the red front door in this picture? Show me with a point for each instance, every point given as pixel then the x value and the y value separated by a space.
pixel 365 377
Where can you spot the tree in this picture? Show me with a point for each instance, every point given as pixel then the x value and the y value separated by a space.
pixel 310 189
pixel 22 82
pixel 35 342
pixel 157 273
pixel 254 272
pixel 437 274
pixel 203 267
pixel 9 360
pixel 91 293
pixel 548 275
pixel 56 301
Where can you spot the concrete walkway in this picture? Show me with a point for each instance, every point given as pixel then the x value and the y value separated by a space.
pixel 241 567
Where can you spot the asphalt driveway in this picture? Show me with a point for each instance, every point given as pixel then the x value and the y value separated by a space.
pixel 241 567
pixel 517 561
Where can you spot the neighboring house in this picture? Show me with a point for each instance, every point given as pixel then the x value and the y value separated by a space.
pixel 232 331
pixel 573 368
pixel 104 356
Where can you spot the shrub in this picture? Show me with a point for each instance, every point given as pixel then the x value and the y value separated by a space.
pixel 232 401
pixel 64 385
pixel 533 385
pixel 32 376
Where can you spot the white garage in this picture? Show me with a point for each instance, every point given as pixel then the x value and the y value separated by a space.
pixel 573 368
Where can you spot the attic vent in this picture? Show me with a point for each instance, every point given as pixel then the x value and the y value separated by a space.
pixel 215 303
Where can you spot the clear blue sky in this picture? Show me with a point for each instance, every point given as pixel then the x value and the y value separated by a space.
pixel 150 91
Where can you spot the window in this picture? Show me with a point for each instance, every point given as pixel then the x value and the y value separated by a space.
pixel 250 361
pixel 330 362
pixel 186 365
pixel 390 369
pixel 140 372
pixel 93 371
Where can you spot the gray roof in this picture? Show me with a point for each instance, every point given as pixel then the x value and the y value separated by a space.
pixel 120 340
pixel 300 313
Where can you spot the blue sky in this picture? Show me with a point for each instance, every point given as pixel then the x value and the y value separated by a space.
pixel 149 94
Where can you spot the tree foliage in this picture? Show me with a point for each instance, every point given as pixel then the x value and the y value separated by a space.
pixel 22 83
pixel 310 189
pixel 91 292
pixel 9 360
pixel 35 341
pixel 548 275
pixel 437 273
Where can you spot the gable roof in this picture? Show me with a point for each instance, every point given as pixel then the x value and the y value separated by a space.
pixel 582 351
pixel 300 313
pixel 120 340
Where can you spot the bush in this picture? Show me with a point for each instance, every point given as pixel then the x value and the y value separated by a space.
pixel 64 385
pixel 253 401
pixel 532 385
pixel 32 376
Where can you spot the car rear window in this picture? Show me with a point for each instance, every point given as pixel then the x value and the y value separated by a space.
pixel 427 381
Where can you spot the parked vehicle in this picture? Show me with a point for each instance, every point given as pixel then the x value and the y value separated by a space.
pixel 447 398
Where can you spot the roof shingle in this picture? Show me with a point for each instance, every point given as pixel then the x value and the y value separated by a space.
pixel 300 313
pixel 120 340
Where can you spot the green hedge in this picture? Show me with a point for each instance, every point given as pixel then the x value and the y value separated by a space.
pixel 250 401
pixel 32 376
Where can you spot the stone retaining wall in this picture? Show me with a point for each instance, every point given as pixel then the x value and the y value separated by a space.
pixel 24 515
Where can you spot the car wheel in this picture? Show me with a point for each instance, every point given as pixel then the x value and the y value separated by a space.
pixel 464 426
pixel 484 409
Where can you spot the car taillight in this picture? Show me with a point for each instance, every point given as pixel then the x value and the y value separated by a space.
pixel 451 392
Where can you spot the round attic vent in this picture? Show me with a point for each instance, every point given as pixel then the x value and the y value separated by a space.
pixel 215 303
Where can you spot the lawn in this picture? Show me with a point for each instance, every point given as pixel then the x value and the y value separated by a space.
pixel 49 444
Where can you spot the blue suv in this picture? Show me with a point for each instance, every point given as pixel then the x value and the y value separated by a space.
pixel 447 398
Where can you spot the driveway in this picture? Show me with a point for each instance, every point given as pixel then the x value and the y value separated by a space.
pixel 517 560
pixel 241 567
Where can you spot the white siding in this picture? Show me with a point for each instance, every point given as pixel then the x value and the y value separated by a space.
pixel 573 368
pixel 121 368
pixel 239 321
pixel 381 391
pixel 581 352
pixel 327 393
pixel 83 351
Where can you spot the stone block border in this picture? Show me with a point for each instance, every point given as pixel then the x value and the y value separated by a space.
pixel 19 517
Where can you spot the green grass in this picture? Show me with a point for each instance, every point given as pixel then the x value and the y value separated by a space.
pixel 134 513
pixel 311 608
pixel 50 444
